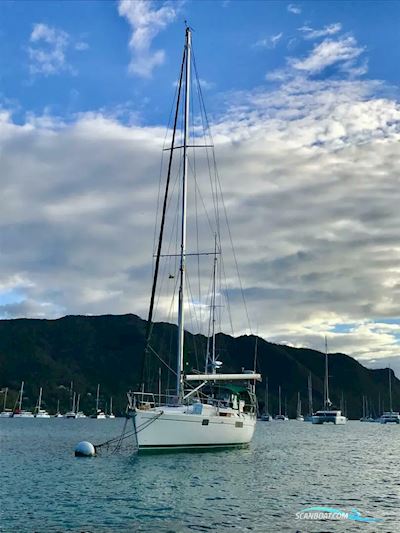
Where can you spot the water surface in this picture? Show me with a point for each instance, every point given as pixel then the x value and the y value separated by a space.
pixel 289 466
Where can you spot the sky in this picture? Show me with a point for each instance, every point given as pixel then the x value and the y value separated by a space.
pixel 303 102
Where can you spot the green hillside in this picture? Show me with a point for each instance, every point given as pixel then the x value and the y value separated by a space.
pixel 107 349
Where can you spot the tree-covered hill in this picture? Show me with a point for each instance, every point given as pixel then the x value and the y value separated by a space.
pixel 88 350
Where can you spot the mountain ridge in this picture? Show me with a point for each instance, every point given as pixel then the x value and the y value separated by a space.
pixel 107 349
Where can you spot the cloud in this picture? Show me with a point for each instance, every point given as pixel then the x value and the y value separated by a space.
pixel 146 23
pixel 328 53
pixel 81 45
pixel 294 8
pixel 269 42
pixel 309 173
pixel 48 49
pixel 310 33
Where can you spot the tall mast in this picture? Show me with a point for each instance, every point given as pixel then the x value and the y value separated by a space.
pixel 390 391
pixel 5 399
pixel 266 406
pixel 181 318
pixel 20 395
pixel 280 406
pixel 97 397
pixel 40 399
pixel 310 399
pixel 213 308
pixel 327 401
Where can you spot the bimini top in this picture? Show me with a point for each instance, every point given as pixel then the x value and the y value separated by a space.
pixel 223 377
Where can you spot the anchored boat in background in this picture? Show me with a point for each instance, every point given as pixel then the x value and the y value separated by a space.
pixel 328 414
pixel 41 413
pixel 208 409
pixel 390 417
pixel 299 416
pixel 18 411
pixel 280 416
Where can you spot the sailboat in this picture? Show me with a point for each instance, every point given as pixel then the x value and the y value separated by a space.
pixel 299 416
pixel 111 414
pixel 390 417
pixel 280 416
pixel 308 417
pixel 266 417
pixel 58 414
pixel 98 413
pixel 19 412
pixel 40 413
pixel 207 409
pixel 72 412
pixel 328 414
pixel 6 413
pixel 79 414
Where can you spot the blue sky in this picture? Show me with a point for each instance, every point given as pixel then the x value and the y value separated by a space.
pixel 232 43
pixel 304 106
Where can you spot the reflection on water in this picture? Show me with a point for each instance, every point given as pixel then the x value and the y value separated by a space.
pixel 288 466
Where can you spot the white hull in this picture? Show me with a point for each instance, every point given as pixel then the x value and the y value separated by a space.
pixel 23 415
pixel 391 417
pixel 173 427
pixel 42 415
pixel 337 420
pixel 5 414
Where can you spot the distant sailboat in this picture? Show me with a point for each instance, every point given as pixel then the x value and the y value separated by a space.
pixel 99 414
pixel 111 414
pixel 299 416
pixel 72 412
pixel 280 416
pixel 6 413
pixel 58 414
pixel 40 413
pixel 308 417
pixel 328 414
pixel 266 417
pixel 79 414
pixel 390 417
pixel 19 412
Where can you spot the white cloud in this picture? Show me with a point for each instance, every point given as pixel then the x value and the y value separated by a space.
pixel 294 8
pixel 48 49
pixel 310 33
pixel 309 172
pixel 269 42
pixel 327 53
pixel 81 45
pixel 146 22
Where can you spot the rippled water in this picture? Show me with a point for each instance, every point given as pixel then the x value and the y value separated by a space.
pixel 289 466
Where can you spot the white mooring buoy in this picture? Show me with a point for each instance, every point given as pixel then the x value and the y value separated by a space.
pixel 85 449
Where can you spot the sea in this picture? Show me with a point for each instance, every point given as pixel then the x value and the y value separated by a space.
pixel 289 468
